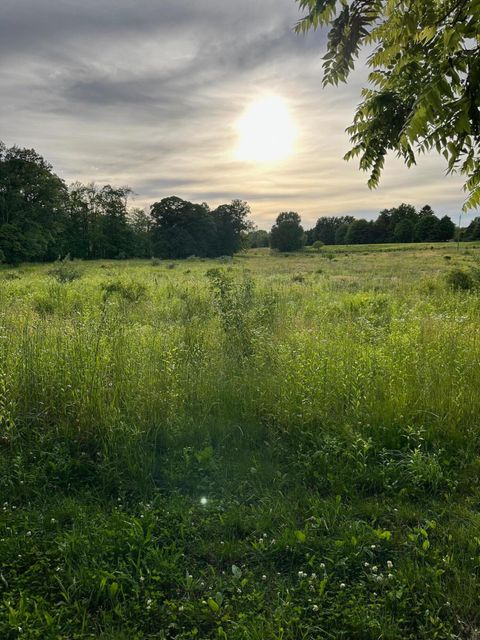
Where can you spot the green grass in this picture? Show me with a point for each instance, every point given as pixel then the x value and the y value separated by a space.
pixel 281 447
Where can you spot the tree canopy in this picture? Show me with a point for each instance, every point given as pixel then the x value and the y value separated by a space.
pixel 425 79
pixel 287 233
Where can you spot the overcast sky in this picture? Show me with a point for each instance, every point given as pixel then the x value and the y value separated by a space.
pixel 147 93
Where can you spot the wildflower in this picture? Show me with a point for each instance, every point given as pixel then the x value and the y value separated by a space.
pixel 29 533
pixel 315 607
pixel 149 603
pixel 142 579
pixel 374 569
pixel 180 608
pixel 390 575
pixel 264 577
pixel 372 546
pixel 203 500
pixel 301 574
pixel 389 564
pixel 366 564
pixel 342 585
pixel 322 565
pixel 314 575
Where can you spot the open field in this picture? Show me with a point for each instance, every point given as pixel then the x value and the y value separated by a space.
pixel 273 447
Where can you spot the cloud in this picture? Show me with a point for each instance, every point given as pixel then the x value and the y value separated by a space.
pixel 147 93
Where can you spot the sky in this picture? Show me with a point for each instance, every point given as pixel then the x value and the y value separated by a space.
pixel 149 94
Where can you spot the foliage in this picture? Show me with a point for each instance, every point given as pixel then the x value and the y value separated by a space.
pixel 425 79
pixel 400 224
pixel 65 271
pixel 242 455
pixel 32 207
pixel 287 233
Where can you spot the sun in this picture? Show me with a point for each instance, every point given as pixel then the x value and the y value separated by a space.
pixel 266 131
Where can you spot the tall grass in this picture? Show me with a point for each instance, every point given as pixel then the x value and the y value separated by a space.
pixel 307 399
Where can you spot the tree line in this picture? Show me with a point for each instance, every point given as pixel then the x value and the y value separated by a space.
pixel 42 219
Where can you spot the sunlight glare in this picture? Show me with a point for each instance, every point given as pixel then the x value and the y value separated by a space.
pixel 266 131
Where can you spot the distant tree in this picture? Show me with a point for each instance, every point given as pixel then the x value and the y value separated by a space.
pixel 404 231
pixel 257 238
pixel 318 245
pixel 445 229
pixel 181 229
pixel 385 226
pixel 116 236
pixel 326 228
pixel 360 232
pixel 472 232
pixel 287 233
pixel 341 233
pixel 140 225
pixel 231 221
pixel 32 207
pixel 424 84
pixel 426 229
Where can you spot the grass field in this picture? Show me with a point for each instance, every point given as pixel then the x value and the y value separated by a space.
pixel 274 447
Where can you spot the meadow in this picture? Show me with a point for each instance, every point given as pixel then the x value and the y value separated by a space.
pixel 279 447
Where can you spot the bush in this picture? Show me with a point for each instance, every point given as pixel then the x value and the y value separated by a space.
pixel 65 271
pixel 130 291
pixel 460 280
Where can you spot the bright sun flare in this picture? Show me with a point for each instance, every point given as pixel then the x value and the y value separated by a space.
pixel 266 131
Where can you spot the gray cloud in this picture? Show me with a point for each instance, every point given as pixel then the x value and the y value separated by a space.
pixel 147 92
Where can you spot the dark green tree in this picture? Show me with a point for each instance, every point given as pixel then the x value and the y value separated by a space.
pixel 140 225
pixel 181 229
pixel 360 232
pixel 231 221
pixel 32 207
pixel 287 233
pixel 404 231
pixel 445 229
pixel 326 228
pixel 426 229
pixel 424 88
pixel 257 238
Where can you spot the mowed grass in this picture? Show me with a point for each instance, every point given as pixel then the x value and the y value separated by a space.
pixel 274 447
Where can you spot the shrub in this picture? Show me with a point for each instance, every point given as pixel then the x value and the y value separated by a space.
pixel 460 280
pixel 65 271
pixel 130 291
